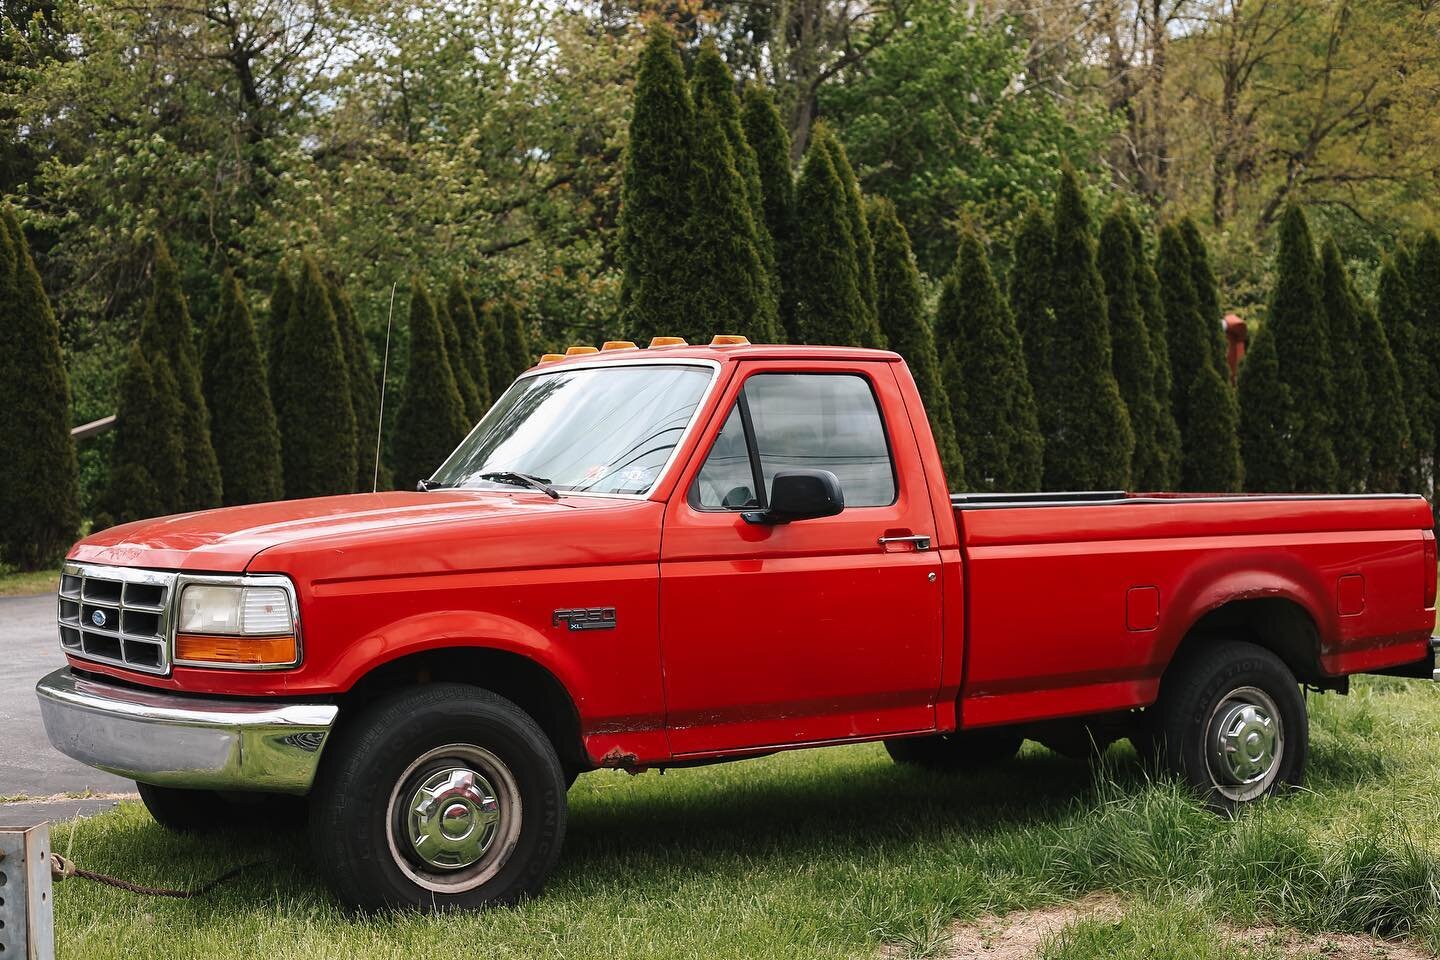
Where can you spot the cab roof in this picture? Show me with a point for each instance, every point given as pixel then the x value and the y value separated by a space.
pixel 723 354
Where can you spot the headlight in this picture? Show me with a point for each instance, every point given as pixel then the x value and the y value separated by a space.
pixel 235 625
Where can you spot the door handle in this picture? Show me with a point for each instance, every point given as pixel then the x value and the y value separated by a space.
pixel 921 541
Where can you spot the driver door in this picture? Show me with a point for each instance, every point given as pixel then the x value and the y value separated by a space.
pixel 815 630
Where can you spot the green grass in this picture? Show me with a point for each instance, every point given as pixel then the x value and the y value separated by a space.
pixel 836 853
pixel 28 584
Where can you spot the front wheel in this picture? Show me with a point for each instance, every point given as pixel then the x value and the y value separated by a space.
pixel 1233 724
pixel 444 796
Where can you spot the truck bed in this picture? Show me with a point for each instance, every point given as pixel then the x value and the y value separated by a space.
pixel 1076 602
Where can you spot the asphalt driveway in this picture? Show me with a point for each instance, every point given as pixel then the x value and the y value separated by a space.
pixel 29 766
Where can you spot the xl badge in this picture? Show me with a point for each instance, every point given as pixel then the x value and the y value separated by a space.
pixel 585 618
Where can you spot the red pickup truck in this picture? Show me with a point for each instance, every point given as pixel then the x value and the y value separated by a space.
pixel 678 555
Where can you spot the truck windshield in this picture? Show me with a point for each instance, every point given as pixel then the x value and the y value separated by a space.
pixel 592 430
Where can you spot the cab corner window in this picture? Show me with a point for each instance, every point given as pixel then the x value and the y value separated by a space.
pixel 800 421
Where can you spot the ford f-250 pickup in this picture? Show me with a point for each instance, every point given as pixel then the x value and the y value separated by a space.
pixel 677 555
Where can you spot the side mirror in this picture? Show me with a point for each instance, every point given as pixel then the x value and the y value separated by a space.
pixel 801 495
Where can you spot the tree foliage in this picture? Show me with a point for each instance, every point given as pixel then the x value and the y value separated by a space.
pixel 900 304
pixel 245 434
pixel 1302 343
pixel 654 242
pixel 1388 427
pixel 1133 360
pixel 39 513
pixel 515 341
pixel 472 345
pixel 149 449
pixel 1392 307
pixel 364 391
pixel 1031 260
pixel 312 394
pixel 464 378
pixel 829 307
pixel 1266 418
pixel 1353 409
pixel 1088 437
pixel 168 332
pixel 1212 461
pixel 767 136
pixel 1152 308
pixel 994 408
pixel 870 334
pixel 431 422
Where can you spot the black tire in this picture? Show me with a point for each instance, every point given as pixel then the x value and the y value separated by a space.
pixel 1266 749
pixel 208 811
pixel 373 781
pixel 957 752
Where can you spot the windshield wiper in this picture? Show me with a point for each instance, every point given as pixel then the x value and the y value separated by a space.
pixel 523 480
pixel 425 486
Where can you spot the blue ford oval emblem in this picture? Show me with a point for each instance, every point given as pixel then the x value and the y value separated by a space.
pixel 97 617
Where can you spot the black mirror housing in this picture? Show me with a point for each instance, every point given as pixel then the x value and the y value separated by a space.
pixel 801 495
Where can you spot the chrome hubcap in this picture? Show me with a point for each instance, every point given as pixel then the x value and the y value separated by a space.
pixel 1244 743
pixel 452 820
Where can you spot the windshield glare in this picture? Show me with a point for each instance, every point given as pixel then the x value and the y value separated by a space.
pixel 597 430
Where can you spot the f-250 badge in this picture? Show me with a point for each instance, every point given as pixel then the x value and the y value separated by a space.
pixel 585 618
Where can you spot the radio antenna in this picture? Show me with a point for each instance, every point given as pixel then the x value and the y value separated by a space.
pixel 384 376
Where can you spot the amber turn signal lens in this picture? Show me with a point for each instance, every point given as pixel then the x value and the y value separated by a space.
pixel 249 651
pixel 667 342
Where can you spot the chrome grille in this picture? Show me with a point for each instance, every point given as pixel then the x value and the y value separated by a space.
pixel 116 615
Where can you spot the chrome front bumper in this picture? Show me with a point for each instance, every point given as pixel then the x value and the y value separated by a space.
pixel 172 740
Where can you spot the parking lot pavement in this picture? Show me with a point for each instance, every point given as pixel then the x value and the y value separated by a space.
pixel 29 766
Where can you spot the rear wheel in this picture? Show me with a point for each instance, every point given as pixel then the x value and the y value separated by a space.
pixel 1233 724
pixel 959 751
pixel 444 796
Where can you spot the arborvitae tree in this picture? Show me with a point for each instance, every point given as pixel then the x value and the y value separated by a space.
pixel 767 136
pixel 497 359
pixel 1266 418
pixel 432 421
pixel 1297 320
pixel 1392 304
pixel 39 512
pixel 655 288
pixel 1423 281
pixel 464 379
pixel 713 86
pixel 1212 451
pixel 312 394
pixel 472 345
pixel 168 332
pixel 282 295
pixel 1184 329
pixel 983 364
pixel 1207 292
pixel 516 340
pixel 149 449
pixel 1352 391
pixel 901 306
pixel 1389 426
pixel 1133 361
pixel 729 279
pixel 828 306
pixel 824 138
pixel 1088 437
pixel 1032 257
pixel 1167 434
pixel 364 391
pixel 246 437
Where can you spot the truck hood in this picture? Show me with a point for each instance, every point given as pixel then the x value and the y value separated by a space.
pixel 228 539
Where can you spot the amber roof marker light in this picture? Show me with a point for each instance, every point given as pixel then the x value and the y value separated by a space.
pixel 618 345
pixel 729 340
pixel 667 342
pixel 579 351
pixel 551 357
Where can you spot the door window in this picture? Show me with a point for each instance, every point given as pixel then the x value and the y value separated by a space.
pixel 799 421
